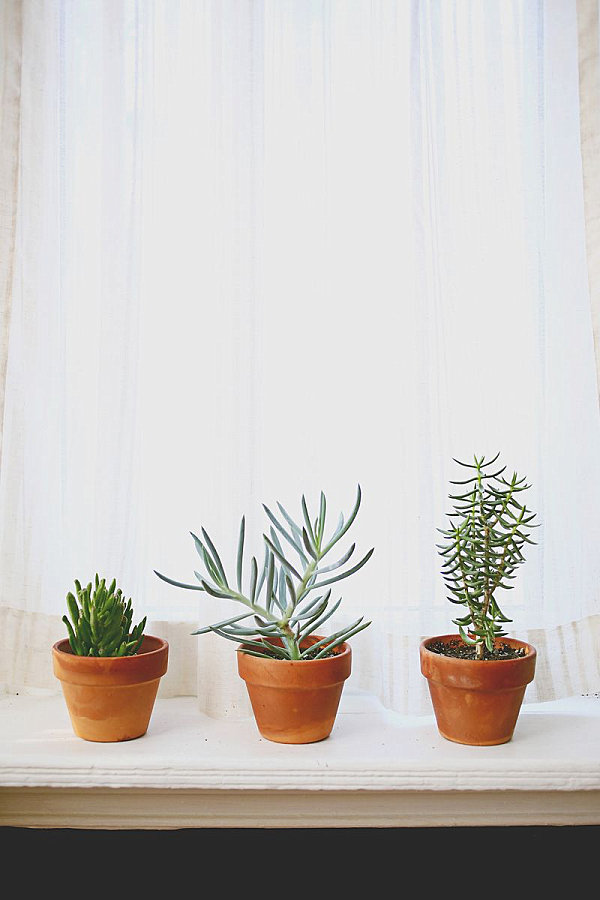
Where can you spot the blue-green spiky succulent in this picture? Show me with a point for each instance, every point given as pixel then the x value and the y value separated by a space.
pixel 483 547
pixel 284 600
pixel 101 621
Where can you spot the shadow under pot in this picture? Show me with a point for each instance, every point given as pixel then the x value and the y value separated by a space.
pixel 296 701
pixel 111 698
pixel 477 701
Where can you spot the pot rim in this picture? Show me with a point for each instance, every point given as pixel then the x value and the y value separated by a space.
pixel 58 648
pixel 530 650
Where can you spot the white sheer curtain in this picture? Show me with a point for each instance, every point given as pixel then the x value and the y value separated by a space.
pixel 268 248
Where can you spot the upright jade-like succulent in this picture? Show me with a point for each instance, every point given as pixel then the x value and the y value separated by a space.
pixel 101 621
pixel 285 600
pixel 483 547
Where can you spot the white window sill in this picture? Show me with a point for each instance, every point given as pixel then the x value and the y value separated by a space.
pixel 377 769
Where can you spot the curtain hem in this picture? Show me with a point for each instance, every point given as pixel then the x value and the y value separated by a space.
pixel 568 658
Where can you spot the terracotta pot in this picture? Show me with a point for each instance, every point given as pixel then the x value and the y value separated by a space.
pixel 296 702
pixel 476 701
pixel 111 698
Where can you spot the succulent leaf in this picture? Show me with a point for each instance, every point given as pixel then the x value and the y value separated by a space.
pixel 101 621
pixel 278 593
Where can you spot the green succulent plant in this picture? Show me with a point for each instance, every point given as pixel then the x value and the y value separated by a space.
pixel 483 547
pixel 101 621
pixel 285 600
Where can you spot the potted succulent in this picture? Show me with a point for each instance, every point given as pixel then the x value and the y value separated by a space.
pixel 109 671
pixel 477 678
pixel 293 674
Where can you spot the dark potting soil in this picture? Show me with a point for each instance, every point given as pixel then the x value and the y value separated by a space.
pixel 460 650
pixel 312 655
pixel 325 655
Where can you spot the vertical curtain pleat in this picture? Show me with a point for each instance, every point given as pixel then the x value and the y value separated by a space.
pixel 589 119
pixel 11 39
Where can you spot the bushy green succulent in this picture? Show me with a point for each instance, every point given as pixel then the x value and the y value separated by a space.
pixel 284 599
pixel 101 621
pixel 483 547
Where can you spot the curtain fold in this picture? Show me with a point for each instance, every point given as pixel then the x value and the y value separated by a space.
pixel 10 128
pixel 268 249
pixel 589 97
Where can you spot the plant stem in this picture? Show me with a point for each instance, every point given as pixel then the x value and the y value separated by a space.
pixel 307 576
pixel 291 642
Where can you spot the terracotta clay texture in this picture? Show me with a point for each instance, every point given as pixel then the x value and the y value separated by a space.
pixel 111 698
pixel 477 702
pixel 295 702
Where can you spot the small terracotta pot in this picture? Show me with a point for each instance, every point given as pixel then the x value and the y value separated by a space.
pixel 477 701
pixel 111 698
pixel 296 701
